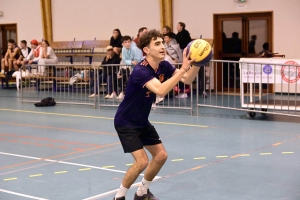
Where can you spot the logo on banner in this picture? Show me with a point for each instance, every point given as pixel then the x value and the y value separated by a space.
pixel 290 74
pixel 267 69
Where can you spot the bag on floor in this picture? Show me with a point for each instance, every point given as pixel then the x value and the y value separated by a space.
pixel 49 101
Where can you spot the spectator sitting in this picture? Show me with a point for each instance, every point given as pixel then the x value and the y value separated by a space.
pixel 183 36
pixel 24 53
pixel 109 73
pixel 47 56
pixel 131 55
pixel 266 51
pixel 140 33
pixel 173 52
pixel 12 54
pixel 116 41
pixel 167 30
pixel 34 54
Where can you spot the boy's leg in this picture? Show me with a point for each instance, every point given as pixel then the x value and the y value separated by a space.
pixel 159 157
pixel 10 64
pixel 140 163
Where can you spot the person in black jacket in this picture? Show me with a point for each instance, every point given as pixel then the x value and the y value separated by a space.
pixel 183 36
pixel 116 41
pixel 167 30
pixel 109 73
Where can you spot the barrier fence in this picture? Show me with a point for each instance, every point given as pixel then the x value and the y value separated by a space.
pixel 67 84
pixel 270 86
pixel 112 81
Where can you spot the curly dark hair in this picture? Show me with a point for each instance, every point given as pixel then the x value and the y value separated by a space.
pixel 148 37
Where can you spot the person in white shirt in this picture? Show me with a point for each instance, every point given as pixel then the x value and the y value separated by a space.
pixel 33 56
pixel 24 53
pixel 47 56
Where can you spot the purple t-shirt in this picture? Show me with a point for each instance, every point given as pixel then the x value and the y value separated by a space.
pixel 134 110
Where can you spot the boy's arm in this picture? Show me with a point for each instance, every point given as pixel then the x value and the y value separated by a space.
pixel 16 51
pixel 162 89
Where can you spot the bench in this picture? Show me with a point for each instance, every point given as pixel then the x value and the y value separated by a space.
pixel 79 49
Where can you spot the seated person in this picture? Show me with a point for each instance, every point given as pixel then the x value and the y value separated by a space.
pixel 47 56
pixel 167 30
pixel 109 74
pixel 24 53
pixel 266 51
pixel 173 51
pixel 116 41
pixel 33 56
pixel 12 54
pixel 131 56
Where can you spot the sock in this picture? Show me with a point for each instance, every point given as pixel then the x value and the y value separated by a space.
pixel 144 186
pixel 121 192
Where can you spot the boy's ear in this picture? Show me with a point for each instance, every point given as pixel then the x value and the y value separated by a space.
pixel 146 50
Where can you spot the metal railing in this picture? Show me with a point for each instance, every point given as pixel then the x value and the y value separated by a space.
pixel 112 81
pixel 269 86
pixel 67 84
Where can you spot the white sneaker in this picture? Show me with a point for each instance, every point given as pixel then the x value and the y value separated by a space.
pixel 159 99
pixel 184 95
pixel 92 95
pixel 121 96
pixel 112 96
pixel 107 96
pixel 2 71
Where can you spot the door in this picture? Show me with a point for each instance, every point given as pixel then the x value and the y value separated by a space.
pixel 7 31
pixel 236 36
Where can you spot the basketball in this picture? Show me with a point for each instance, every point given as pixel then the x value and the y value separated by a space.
pixel 201 51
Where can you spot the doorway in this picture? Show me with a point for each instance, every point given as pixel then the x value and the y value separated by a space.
pixel 7 31
pixel 239 35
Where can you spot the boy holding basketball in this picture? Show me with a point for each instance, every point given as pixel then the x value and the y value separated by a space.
pixel 150 77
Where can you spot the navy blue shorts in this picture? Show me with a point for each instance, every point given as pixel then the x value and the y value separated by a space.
pixel 133 139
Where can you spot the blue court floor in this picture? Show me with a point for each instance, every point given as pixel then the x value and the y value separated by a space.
pixel 73 152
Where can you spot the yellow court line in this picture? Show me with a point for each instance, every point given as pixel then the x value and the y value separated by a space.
pixel 221 156
pixel 35 175
pixel 287 152
pixel 129 164
pixel 265 154
pixel 112 166
pixel 10 179
pixel 200 158
pixel 176 160
pixel 61 172
pixel 84 169
pixel 97 117
pixel 243 155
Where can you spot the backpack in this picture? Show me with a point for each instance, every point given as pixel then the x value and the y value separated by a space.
pixel 49 101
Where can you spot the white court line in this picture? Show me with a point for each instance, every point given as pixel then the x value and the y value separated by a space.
pixel 99 196
pixel 22 195
pixel 68 163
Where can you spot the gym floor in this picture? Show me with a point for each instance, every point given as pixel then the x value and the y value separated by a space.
pixel 73 153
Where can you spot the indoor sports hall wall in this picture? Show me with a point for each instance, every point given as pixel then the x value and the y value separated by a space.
pixel 198 16
pixel 27 15
pixel 97 18
pixel 85 20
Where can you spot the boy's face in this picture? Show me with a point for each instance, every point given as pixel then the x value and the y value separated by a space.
pixel 167 39
pixel 23 46
pixel 157 49
pixel 33 46
pixel 127 44
pixel 179 27
pixel 10 45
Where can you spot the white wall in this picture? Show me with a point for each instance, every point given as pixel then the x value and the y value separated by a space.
pixel 27 15
pixel 198 16
pixel 85 20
